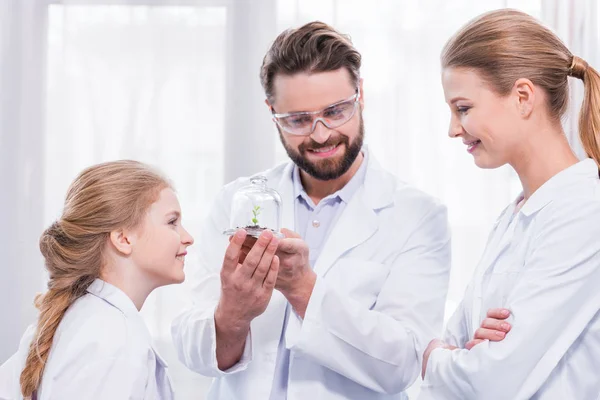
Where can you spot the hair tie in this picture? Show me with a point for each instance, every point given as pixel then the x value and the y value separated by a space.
pixel 578 68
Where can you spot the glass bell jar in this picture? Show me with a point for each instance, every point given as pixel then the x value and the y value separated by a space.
pixel 255 207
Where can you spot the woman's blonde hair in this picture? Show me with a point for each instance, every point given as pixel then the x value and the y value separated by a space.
pixel 506 45
pixel 102 198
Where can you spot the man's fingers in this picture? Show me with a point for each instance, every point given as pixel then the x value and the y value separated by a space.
pixel 264 264
pixel 232 253
pixel 249 242
pixel 290 246
pixel 289 234
pixel 271 277
pixel 242 257
pixel 255 254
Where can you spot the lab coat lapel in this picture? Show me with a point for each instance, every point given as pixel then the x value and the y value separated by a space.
pixel 498 243
pixel 358 222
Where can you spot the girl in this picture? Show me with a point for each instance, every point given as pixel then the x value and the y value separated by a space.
pixel 119 238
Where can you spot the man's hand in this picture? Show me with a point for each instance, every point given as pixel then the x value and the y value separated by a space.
pixel 295 273
pixel 246 287
pixel 296 279
pixel 494 328
pixel 246 290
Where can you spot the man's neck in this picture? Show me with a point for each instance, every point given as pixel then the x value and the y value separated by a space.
pixel 317 189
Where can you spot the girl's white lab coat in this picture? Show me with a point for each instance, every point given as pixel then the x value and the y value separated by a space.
pixel 101 351
pixel 542 263
pixel 382 278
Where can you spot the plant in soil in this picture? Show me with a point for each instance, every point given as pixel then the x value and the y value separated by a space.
pixel 254 223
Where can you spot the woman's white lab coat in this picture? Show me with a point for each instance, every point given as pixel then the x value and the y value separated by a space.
pixel 102 350
pixel 543 263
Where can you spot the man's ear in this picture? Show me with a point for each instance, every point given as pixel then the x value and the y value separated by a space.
pixel 362 94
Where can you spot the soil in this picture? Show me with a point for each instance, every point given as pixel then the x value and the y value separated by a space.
pixel 254 230
pixel 262 228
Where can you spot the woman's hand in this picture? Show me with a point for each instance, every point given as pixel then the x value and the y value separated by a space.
pixel 434 344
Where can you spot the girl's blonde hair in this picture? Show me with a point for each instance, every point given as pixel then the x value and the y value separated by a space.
pixel 102 198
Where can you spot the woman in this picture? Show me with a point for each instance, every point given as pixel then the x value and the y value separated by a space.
pixel 119 238
pixel 505 78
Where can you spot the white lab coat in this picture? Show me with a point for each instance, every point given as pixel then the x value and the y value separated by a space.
pixel 101 351
pixel 378 300
pixel 544 265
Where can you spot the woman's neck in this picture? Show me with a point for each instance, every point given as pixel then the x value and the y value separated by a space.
pixel 543 156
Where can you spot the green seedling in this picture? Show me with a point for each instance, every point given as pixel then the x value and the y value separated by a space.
pixel 255 212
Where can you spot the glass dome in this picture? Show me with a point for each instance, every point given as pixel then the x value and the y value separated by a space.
pixel 255 207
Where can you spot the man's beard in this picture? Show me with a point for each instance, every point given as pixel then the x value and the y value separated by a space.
pixel 327 169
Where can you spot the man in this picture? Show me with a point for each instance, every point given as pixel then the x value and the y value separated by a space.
pixel 345 304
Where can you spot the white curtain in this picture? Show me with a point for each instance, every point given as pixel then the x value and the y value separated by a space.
pixel 175 83
pixel 171 83
pixel 22 178
pixel 577 22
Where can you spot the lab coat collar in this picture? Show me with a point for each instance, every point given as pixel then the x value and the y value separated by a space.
pixel 118 299
pixel 113 296
pixel 359 221
pixel 345 194
pixel 376 193
pixel 558 185
pixel 379 185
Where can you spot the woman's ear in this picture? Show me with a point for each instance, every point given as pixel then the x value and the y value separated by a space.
pixel 525 93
